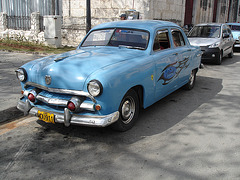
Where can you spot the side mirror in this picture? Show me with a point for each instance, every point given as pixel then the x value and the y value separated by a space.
pixel 226 35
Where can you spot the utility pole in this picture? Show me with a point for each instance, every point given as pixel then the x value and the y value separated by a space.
pixel 88 16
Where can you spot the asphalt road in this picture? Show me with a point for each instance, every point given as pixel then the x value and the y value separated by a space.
pixel 10 89
pixel 187 135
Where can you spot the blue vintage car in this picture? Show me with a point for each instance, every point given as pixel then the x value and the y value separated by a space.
pixel 118 68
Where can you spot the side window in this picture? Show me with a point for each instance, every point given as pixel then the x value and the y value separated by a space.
pixel 225 30
pixel 161 40
pixel 178 39
pixel 229 31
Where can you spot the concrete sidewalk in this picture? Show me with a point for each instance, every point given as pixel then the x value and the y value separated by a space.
pixel 10 89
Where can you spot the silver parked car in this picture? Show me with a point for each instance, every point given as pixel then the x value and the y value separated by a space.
pixel 235 27
pixel 215 39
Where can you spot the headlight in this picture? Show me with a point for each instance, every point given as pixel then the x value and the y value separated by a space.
pixel 95 88
pixel 214 45
pixel 21 74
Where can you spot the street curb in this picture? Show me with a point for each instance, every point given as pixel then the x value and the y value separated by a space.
pixel 26 52
pixel 10 114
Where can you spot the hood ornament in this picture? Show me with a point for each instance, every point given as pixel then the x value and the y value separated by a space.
pixel 48 79
pixel 60 58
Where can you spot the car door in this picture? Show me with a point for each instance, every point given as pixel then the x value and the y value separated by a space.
pixel 227 44
pixel 183 52
pixel 231 39
pixel 165 59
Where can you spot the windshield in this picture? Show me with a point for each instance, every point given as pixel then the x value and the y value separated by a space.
pixel 205 32
pixel 128 38
pixel 235 27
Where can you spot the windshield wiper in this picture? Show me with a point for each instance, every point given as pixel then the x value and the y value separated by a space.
pixel 131 47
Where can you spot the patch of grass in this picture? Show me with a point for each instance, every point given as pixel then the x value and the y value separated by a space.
pixel 26 46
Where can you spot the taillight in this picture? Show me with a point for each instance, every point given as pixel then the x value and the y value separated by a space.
pixel 71 106
pixel 74 104
pixel 31 97
pixel 33 94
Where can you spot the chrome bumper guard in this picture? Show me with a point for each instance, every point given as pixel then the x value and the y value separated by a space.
pixel 59 102
pixel 67 118
pixel 61 91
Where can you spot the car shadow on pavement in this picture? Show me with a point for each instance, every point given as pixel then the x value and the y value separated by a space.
pixel 225 61
pixel 157 130
pixel 156 119
pixel 179 137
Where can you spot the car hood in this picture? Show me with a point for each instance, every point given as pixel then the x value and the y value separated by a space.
pixel 71 69
pixel 202 41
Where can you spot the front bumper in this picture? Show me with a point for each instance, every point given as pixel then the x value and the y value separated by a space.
pixel 210 54
pixel 68 118
pixel 237 44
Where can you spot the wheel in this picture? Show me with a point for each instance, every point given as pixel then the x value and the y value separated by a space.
pixel 192 80
pixel 129 110
pixel 230 55
pixel 219 60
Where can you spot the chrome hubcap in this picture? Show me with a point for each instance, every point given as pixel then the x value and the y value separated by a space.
pixel 191 79
pixel 128 110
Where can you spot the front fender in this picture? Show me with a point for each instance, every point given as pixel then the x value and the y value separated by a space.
pixel 117 79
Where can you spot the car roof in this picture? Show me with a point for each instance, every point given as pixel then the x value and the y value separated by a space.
pixel 148 25
pixel 237 24
pixel 210 24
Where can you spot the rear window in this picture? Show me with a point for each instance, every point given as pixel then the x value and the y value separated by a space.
pixel 235 27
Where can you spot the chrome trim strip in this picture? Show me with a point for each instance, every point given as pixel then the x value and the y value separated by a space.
pixel 52 101
pixel 25 93
pixel 60 102
pixel 87 106
pixel 60 58
pixel 61 91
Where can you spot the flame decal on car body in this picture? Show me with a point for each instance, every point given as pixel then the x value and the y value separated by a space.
pixel 172 71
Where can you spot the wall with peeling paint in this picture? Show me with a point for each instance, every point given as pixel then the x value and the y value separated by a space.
pixel 226 11
pixel 202 11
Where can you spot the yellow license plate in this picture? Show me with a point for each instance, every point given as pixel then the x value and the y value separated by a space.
pixel 45 116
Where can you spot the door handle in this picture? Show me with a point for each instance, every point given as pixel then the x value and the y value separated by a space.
pixel 189 50
pixel 175 54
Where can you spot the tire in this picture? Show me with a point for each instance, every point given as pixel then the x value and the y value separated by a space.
pixel 192 80
pixel 129 111
pixel 230 55
pixel 219 60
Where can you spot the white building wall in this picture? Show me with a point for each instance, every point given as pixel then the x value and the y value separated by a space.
pixel 74 14
pixel 170 10
pixel 222 12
